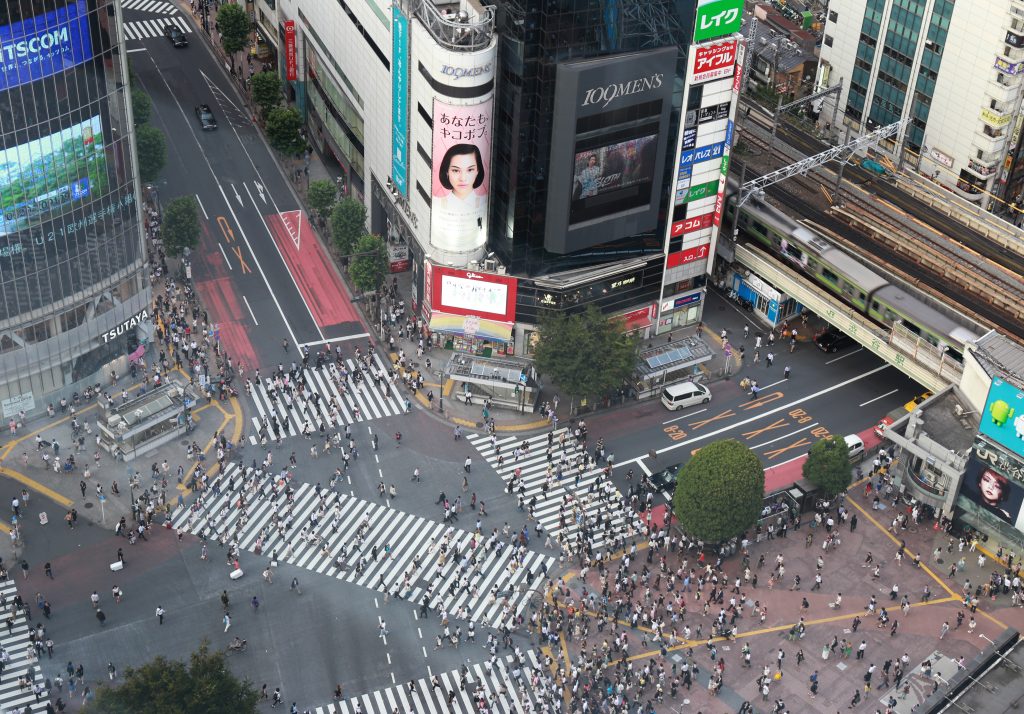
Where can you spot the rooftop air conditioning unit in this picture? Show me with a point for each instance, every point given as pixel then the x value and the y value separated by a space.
pixel 490 264
pixel 958 410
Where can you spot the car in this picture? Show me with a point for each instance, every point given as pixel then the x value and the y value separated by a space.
pixel 833 341
pixel 882 425
pixel 206 118
pixel 684 395
pixel 916 401
pixel 664 481
pixel 175 35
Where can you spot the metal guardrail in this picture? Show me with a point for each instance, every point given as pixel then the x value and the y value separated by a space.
pixel 462 30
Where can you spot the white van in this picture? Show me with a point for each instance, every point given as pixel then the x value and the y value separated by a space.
pixel 855 446
pixel 684 394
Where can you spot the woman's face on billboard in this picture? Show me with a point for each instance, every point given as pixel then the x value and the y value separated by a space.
pixel 991 488
pixel 462 173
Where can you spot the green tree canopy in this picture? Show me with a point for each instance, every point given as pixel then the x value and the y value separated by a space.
pixel 142 106
pixel 234 26
pixel 585 353
pixel 322 194
pixel 266 91
pixel 828 465
pixel 164 686
pixel 284 126
pixel 719 492
pixel 348 223
pixel 370 266
pixel 152 147
pixel 180 226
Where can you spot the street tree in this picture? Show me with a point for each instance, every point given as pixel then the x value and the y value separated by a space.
pixel 348 223
pixel 322 194
pixel 142 106
pixel 266 91
pixel 162 686
pixel 369 264
pixel 585 354
pixel 152 149
pixel 284 130
pixel 719 492
pixel 180 227
pixel 234 27
pixel 828 465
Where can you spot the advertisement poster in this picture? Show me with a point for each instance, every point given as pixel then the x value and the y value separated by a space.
pixel 291 58
pixel 44 45
pixel 461 162
pixel 398 257
pixel 46 175
pixel 399 99
pixel 612 178
pixel 714 62
pixel 992 491
pixel 466 292
pixel 1003 418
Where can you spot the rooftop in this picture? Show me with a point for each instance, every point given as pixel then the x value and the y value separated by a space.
pixel 944 424
pixel 1000 355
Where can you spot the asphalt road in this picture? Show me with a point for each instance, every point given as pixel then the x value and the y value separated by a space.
pixel 259 267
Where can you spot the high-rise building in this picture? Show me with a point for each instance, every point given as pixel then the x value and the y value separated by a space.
pixel 73 288
pixel 950 70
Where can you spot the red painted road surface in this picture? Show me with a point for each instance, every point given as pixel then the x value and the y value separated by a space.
pixel 318 282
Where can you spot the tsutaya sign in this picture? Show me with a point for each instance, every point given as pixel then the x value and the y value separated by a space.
pixel 716 18
pixel 132 322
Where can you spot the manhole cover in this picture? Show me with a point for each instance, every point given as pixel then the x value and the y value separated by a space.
pixel 88 504
pixel 183 442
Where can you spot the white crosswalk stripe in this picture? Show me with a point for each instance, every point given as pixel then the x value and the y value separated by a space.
pixel 331 396
pixel 154 6
pixel 495 682
pixel 474 577
pixel 23 659
pixel 582 506
pixel 142 29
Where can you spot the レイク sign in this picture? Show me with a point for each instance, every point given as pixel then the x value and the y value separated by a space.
pixel 291 57
pixel 716 18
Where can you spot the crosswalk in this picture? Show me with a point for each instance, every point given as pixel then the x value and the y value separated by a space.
pixel 504 686
pixel 333 397
pixel 582 506
pixel 474 577
pixel 23 662
pixel 142 29
pixel 151 6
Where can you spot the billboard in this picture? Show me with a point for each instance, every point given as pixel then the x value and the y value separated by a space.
pixel 43 45
pixel 460 181
pixel 1003 418
pixel 43 177
pixel 992 491
pixel 291 57
pixel 467 292
pixel 399 99
pixel 612 178
pixel 714 62
pixel 608 148
pixel 716 18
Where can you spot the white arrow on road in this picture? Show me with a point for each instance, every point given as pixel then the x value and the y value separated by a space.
pixel 259 189
pixel 237 195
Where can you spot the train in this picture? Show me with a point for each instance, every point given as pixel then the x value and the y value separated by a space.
pixel 870 293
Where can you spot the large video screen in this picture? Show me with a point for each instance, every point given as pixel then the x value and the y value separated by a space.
pixel 42 177
pixel 43 45
pixel 612 178
pixel 992 491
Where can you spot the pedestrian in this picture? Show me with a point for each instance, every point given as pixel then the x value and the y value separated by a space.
pixel 101 617
pixel 48 570
pixel 24 568
pixel 120 555
pixel 111 671
pixel 160 614
pixel 468 465
pixel 768 359
pixel 227 622
pixel 276 697
pixel 255 602
pixel 943 630
pixel 785 373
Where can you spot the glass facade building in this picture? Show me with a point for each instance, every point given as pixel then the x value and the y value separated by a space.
pixel 73 282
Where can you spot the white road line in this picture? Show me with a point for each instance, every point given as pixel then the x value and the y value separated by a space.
pixel 643 466
pixel 137 49
pixel 848 354
pixel 684 416
pixel 202 207
pixel 225 256
pixel 785 436
pixel 251 313
pixel 883 396
pixel 317 343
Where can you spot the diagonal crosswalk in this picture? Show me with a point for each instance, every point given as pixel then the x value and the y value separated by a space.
pixel 582 508
pixel 23 663
pixel 153 6
pixel 331 396
pixel 502 685
pixel 473 576
pixel 142 29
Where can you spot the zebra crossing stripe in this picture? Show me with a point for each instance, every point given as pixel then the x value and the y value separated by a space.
pixel 153 6
pixel 620 519
pixel 17 643
pixel 499 584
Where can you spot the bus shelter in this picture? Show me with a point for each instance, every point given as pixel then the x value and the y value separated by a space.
pixel 674 361
pixel 506 383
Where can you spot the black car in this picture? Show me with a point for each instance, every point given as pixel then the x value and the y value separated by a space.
pixel 664 481
pixel 206 118
pixel 833 341
pixel 175 35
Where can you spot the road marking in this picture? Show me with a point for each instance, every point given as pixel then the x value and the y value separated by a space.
pixel 334 339
pixel 784 436
pixel 251 314
pixel 225 256
pixel 879 397
pixel 752 419
pixel 848 354
pixel 685 416
pixel 241 261
pixel 644 468
pixel 137 49
pixel 202 207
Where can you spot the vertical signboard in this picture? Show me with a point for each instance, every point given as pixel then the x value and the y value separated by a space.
pixel 291 57
pixel 399 99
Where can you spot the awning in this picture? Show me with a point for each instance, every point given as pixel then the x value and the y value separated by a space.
pixel 471 326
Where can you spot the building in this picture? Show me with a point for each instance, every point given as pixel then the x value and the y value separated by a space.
pixel 950 70
pixel 562 116
pixel 782 53
pixel 74 290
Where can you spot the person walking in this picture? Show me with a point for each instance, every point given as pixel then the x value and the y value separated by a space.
pixel 943 630
pixel 276 699
pixel 785 372
pixel 768 359
pixel 255 602
pixel 101 617
pixel 160 614
pixel 468 465
pixel 227 622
